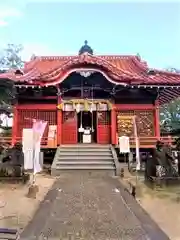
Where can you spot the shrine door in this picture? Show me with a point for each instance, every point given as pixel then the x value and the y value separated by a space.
pixel 103 127
pixel 69 127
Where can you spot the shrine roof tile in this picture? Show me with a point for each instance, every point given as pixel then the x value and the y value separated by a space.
pixel 126 67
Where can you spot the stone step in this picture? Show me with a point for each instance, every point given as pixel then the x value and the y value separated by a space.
pixel 84 163
pixel 84 150
pixel 71 159
pixel 75 157
pixel 86 158
pixel 82 171
pixel 84 167
pixel 79 150
pixel 85 153
pixel 86 147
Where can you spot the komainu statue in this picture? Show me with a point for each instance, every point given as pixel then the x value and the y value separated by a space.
pixel 164 160
pixel 12 161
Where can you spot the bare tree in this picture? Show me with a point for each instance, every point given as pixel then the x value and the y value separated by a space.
pixel 10 57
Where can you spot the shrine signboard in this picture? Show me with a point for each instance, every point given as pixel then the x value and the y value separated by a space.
pixel 124 145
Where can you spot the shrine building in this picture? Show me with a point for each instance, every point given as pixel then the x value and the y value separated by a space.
pixel 98 95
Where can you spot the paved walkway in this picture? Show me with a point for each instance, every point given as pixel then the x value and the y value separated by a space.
pixel 90 208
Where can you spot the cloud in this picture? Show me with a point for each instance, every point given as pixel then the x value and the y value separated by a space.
pixel 7 13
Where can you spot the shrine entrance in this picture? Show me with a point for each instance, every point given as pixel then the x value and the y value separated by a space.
pixel 87 130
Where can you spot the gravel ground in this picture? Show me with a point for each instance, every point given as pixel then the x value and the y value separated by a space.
pixel 91 208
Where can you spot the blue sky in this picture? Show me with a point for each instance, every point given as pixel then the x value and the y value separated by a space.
pixel 151 29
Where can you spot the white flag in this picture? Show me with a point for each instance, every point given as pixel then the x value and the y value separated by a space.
pixel 38 131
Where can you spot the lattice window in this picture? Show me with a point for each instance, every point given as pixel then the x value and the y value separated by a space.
pixel 25 118
pixel 104 118
pixel 144 120
pixel 126 113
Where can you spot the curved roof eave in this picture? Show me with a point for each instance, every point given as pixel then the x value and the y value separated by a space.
pixel 90 60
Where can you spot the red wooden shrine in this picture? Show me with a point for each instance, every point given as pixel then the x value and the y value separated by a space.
pixel 129 86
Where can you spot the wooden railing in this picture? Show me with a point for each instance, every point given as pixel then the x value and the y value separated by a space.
pixel 44 141
pixel 144 142
pixel 148 142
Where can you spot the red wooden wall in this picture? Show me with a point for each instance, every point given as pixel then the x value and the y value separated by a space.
pixel 25 119
pixel 69 128
pixel 103 127
pixel 105 131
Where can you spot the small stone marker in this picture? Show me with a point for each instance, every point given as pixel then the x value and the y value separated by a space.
pixel 33 190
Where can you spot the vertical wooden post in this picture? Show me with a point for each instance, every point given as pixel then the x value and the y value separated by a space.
pixel 15 125
pixel 59 122
pixel 157 120
pixel 113 124
pixel 59 127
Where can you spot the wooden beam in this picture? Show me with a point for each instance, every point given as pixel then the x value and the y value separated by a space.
pixel 37 107
pixel 37 98
pixel 134 106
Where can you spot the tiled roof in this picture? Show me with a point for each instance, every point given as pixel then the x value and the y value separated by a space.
pixel 130 69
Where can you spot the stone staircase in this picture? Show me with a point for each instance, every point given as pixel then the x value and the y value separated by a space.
pixel 92 158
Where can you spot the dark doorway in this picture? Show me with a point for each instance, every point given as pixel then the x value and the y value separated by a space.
pixel 87 120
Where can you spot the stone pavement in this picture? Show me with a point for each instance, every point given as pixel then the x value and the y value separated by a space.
pixel 84 207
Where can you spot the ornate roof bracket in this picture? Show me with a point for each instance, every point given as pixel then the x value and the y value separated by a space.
pixel 85 73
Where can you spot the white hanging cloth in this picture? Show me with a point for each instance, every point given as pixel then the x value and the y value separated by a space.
pixel 138 163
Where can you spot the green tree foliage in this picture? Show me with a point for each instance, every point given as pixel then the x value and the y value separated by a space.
pixel 170 116
pixel 173 70
pixel 170 113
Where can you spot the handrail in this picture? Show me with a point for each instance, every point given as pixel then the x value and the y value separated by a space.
pixel 149 141
pixel 19 139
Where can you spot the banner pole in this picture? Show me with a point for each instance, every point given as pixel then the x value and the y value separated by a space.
pixel 137 148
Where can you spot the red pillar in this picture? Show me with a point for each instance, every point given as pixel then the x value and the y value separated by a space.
pixel 113 125
pixel 157 120
pixel 15 125
pixel 59 123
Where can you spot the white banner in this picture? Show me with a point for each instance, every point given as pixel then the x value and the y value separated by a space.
pixel 138 163
pixel 124 145
pixel 27 141
pixel 38 131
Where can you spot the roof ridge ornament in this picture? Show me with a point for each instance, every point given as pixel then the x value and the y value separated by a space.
pixel 86 49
